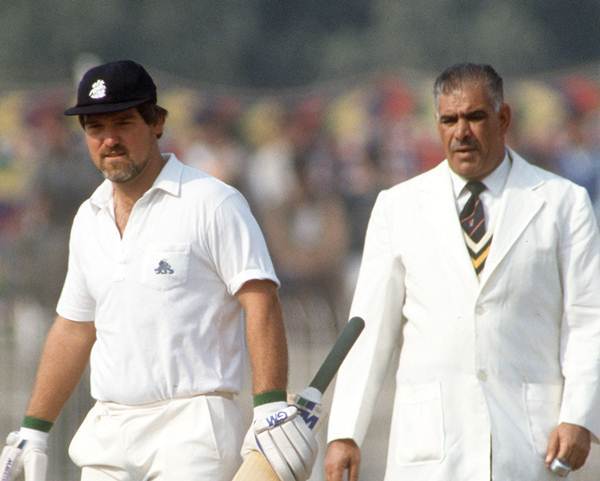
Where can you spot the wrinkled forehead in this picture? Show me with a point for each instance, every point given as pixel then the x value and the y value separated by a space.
pixel 465 94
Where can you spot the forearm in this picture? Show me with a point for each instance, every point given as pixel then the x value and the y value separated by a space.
pixel 265 336
pixel 64 358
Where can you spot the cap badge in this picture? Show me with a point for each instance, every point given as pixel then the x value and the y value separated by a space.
pixel 98 90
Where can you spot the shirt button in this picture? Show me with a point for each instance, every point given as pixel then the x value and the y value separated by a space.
pixel 479 310
pixel 482 375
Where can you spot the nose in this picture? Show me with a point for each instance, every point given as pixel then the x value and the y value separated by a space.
pixel 111 137
pixel 463 129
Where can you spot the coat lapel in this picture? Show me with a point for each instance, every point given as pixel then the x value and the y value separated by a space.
pixel 439 207
pixel 519 205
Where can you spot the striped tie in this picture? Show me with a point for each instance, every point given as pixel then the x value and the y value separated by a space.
pixel 472 219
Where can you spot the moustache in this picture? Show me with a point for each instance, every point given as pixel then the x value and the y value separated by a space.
pixel 468 144
pixel 113 151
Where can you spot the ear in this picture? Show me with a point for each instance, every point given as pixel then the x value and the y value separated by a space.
pixel 159 126
pixel 505 116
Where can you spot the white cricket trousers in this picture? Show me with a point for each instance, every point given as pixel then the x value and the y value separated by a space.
pixel 189 439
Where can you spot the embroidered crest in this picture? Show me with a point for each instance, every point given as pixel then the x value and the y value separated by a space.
pixel 98 90
pixel 164 268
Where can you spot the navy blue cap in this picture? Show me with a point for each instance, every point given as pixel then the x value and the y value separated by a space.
pixel 113 87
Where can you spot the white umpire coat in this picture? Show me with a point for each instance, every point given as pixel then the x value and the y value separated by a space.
pixel 487 368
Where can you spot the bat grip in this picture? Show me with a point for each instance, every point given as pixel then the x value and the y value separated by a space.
pixel 337 354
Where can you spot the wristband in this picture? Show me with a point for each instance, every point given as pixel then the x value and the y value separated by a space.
pixel 269 397
pixel 31 422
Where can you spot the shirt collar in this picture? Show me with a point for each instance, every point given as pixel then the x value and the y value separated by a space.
pixel 494 182
pixel 168 180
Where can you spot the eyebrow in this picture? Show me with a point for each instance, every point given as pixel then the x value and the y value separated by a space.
pixel 470 115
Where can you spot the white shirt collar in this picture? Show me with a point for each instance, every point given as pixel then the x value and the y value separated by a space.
pixel 168 180
pixel 494 182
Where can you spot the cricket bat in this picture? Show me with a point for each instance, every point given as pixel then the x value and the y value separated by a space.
pixel 255 467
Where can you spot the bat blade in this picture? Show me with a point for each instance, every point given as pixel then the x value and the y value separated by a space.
pixel 255 468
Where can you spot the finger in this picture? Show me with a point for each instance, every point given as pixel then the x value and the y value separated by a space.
pixel 334 467
pixel 565 451
pixel 334 470
pixel 553 446
pixel 353 471
pixel 578 458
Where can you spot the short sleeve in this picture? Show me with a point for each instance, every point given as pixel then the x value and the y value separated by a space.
pixel 237 245
pixel 75 302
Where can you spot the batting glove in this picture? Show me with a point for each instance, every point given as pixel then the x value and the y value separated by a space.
pixel 25 450
pixel 288 444
pixel 260 412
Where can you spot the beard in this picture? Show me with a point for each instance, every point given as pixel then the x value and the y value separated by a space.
pixel 122 170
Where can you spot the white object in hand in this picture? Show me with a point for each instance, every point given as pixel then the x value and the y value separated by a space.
pixel 560 467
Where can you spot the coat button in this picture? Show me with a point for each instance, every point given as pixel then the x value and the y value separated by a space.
pixel 482 375
pixel 479 310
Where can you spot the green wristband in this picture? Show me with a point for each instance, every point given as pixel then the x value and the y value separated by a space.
pixel 269 397
pixel 32 422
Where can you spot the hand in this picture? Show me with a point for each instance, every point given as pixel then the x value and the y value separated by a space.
pixel 288 444
pixel 569 443
pixel 282 436
pixel 260 412
pixel 342 455
pixel 25 449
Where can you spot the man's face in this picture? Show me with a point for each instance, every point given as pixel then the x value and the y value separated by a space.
pixel 120 144
pixel 471 131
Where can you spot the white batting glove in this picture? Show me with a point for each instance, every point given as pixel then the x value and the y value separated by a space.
pixel 25 450
pixel 287 443
pixel 260 412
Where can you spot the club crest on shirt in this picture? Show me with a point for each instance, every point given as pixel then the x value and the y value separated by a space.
pixel 164 268
pixel 98 89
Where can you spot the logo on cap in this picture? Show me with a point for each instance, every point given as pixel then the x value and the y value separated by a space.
pixel 98 90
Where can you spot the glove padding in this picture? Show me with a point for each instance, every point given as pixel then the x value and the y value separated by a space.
pixel 24 450
pixel 287 443
pixel 260 412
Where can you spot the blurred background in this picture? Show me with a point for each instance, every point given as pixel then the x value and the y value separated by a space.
pixel 308 108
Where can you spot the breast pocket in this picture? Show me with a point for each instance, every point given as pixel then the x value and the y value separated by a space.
pixel 165 266
pixel 417 432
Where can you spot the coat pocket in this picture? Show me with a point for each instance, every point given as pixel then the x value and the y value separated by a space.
pixel 165 266
pixel 542 402
pixel 417 431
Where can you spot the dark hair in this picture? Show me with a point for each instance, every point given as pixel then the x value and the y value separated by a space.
pixel 149 111
pixel 456 75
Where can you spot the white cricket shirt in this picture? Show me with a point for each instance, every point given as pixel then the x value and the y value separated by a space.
pixel 162 296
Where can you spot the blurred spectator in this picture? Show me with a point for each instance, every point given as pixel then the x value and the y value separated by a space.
pixel 307 237
pixel 64 177
pixel 576 157
pixel 270 174
pixel 214 148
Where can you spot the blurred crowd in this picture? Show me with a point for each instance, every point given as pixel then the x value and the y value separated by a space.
pixel 310 163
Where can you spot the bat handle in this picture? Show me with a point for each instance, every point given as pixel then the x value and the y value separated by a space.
pixel 308 404
pixel 311 394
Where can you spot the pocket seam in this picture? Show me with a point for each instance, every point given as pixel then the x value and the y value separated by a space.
pixel 533 393
pixel 430 394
